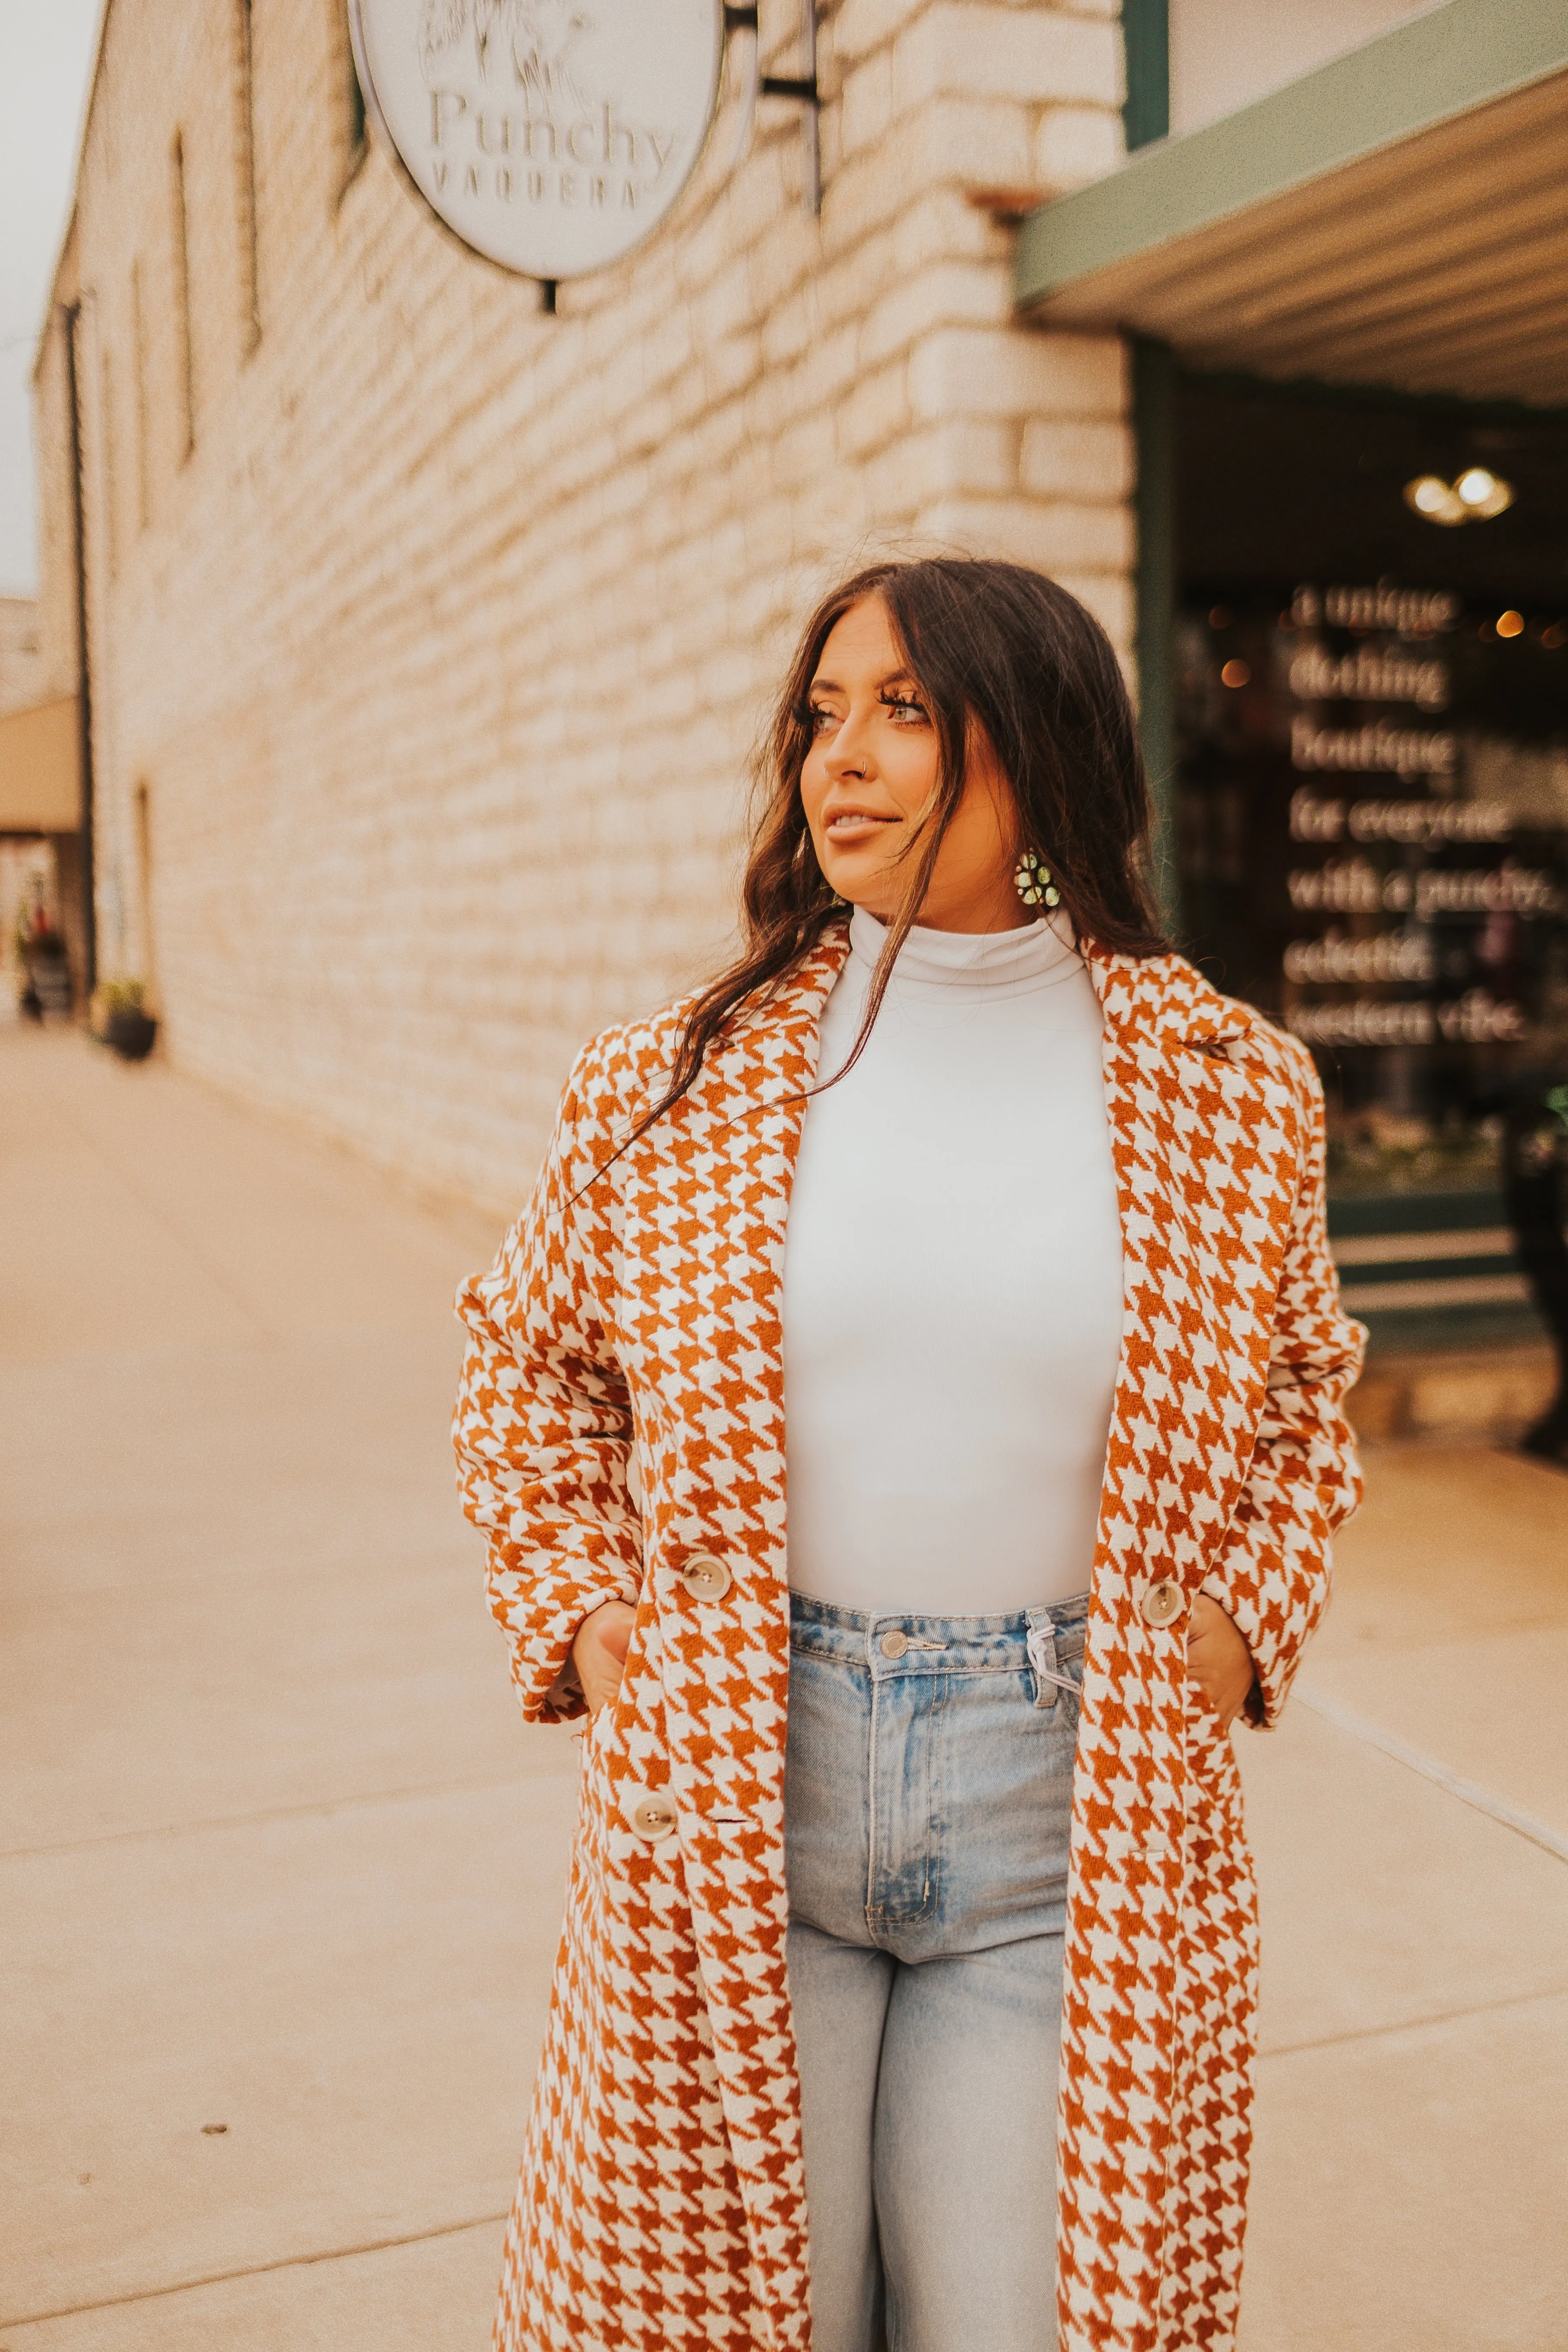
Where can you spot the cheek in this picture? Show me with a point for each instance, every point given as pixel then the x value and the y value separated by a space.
pixel 977 840
pixel 910 761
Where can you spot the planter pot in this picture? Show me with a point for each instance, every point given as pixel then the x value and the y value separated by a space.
pixel 131 1034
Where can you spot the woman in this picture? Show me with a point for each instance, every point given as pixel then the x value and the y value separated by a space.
pixel 965 1200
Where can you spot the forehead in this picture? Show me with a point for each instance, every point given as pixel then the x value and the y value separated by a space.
pixel 861 640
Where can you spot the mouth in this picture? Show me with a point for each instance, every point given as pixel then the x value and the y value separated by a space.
pixel 847 827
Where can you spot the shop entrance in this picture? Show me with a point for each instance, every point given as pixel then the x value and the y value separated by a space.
pixel 1371 808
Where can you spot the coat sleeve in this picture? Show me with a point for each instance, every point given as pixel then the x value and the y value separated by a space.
pixel 1304 1480
pixel 544 1424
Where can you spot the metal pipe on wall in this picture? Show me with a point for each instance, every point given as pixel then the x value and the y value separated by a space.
pixel 1154 428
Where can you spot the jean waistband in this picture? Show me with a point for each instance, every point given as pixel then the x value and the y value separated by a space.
pixel 921 1642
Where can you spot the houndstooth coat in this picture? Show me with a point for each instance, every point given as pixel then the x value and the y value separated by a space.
pixel 620 1434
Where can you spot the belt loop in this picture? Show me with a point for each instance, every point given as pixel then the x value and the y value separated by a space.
pixel 1041 1645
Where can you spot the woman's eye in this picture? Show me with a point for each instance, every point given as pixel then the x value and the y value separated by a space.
pixel 903 707
pixel 818 720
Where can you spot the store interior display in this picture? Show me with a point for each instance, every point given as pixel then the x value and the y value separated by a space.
pixel 1371 802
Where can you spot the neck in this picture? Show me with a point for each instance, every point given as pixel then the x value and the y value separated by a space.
pixel 995 908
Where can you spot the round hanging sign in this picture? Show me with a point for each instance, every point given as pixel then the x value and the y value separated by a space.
pixel 550 135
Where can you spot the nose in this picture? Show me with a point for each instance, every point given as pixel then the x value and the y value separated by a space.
pixel 843 753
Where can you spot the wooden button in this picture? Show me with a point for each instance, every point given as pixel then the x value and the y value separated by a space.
pixel 706 1578
pixel 652 1817
pixel 1163 1604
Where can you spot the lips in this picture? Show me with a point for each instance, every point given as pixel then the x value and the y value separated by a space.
pixel 850 823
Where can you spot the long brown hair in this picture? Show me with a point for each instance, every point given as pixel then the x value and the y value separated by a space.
pixel 989 645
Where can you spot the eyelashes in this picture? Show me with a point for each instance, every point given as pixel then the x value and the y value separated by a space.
pixel 816 716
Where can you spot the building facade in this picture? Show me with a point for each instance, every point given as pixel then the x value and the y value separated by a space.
pixel 429 634
pixel 428 631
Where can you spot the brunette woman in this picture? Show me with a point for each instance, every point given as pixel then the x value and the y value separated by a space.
pixel 968 1205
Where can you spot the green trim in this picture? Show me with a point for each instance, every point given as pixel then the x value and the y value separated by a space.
pixel 1154 501
pixel 1444 63
pixel 1146 41
pixel 1356 1215
pixel 1396 1331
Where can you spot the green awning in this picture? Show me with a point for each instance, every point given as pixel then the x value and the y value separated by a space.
pixel 1396 217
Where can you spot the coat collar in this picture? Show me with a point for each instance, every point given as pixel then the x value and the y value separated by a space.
pixel 1160 1001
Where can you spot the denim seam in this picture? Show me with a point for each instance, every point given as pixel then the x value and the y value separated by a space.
pixel 934 1793
pixel 871 1790
pixel 879 1915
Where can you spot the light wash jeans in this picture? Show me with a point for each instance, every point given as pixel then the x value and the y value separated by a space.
pixel 927 1802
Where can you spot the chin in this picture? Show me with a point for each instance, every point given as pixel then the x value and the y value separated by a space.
pixel 867 890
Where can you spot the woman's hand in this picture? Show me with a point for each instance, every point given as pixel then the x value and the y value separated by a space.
pixel 1217 1658
pixel 599 1652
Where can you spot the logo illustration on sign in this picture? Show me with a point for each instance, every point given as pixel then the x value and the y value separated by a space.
pixel 550 135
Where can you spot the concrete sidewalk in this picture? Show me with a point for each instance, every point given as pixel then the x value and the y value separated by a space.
pixel 280 1857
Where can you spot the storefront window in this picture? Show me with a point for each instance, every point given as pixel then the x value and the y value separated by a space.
pixel 1373 797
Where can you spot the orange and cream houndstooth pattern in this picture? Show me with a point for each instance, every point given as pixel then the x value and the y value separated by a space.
pixel 622 1412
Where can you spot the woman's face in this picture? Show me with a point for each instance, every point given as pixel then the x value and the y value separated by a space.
pixel 870 776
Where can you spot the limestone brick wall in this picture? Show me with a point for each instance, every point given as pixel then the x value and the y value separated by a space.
pixel 430 635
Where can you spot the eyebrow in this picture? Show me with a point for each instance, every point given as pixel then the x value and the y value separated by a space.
pixel 820 685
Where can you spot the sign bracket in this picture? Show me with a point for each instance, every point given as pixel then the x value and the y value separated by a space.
pixel 801 89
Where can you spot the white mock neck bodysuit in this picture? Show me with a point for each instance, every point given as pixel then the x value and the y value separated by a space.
pixel 952 1282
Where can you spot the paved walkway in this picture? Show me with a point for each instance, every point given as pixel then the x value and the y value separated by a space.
pixel 281 1868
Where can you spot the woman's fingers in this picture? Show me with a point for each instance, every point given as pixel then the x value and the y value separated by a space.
pixel 1218 1658
pixel 613 1622
pixel 599 1652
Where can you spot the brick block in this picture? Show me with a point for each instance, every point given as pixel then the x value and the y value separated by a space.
pixel 976 141
pixel 1031 55
pixel 1076 144
pixel 1077 457
pixel 920 468
pixel 1013 371
pixel 858 26
pixel 866 104
pixel 1054 538
pixel 954 293
pixel 875 411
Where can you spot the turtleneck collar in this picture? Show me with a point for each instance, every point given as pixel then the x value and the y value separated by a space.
pixel 1036 955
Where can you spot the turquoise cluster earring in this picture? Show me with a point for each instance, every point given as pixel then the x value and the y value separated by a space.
pixel 1032 882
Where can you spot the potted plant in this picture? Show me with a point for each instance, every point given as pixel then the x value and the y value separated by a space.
pixel 122 1020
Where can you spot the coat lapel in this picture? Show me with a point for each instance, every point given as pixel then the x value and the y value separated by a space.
pixel 1205 1144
